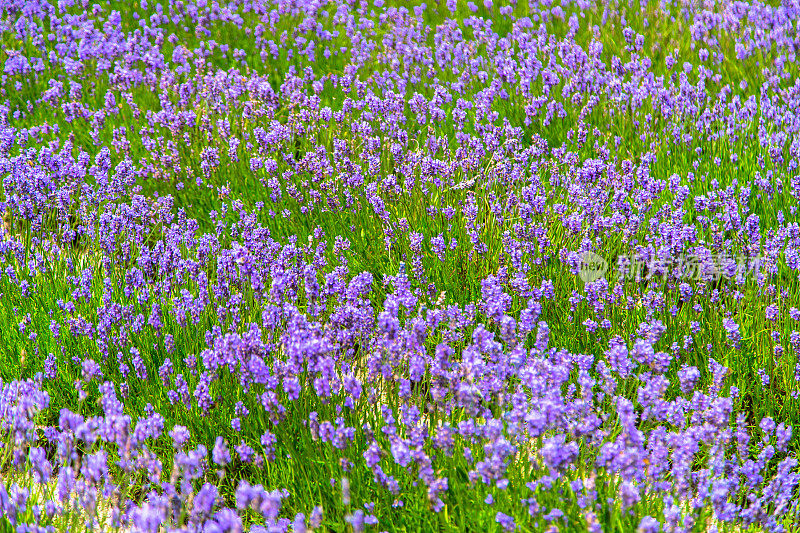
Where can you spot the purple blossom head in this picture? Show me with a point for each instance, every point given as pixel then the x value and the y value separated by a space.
pixel 221 453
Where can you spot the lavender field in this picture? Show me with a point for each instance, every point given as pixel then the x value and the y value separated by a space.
pixel 366 265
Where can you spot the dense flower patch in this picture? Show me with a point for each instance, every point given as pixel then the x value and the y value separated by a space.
pixel 358 265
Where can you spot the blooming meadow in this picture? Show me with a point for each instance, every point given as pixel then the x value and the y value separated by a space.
pixel 309 265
